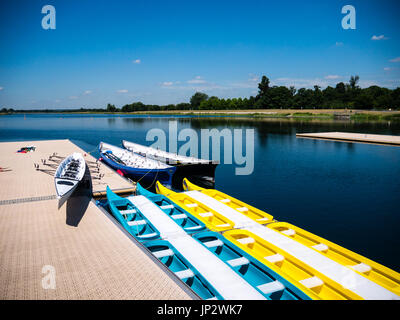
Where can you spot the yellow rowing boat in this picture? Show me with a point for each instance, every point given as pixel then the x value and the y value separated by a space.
pixel 373 271
pixel 212 219
pixel 313 283
pixel 255 214
pixel 340 259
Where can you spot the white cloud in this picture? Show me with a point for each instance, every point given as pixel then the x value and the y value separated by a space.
pixel 122 91
pixel 1 88
pixel 387 69
pixel 377 38
pixel 332 77
pixel 87 92
pixel 253 78
pixel 137 61
pixel 301 83
pixel 197 80
pixel 339 44
pixel 395 59
pixel 73 97
pixel 167 83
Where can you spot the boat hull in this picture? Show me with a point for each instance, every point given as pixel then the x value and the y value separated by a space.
pixel 146 177
pixel 202 174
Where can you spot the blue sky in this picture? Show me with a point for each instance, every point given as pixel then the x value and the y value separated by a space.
pixel 163 51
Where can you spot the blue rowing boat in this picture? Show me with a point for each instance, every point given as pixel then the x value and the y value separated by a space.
pixel 183 218
pixel 136 167
pixel 183 269
pixel 269 283
pixel 131 218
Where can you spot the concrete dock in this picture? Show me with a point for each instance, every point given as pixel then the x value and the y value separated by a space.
pixel 354 137
pixel 76 251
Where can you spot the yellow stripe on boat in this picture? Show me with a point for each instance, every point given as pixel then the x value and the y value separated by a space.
pixel 255 214
pixel 310 281
pixel 373 271
pixel 212 219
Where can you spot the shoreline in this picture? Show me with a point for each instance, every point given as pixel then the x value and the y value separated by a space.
pixel 294 114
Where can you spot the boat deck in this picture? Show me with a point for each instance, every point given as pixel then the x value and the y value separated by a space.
pixel 86 251
pixel 353 137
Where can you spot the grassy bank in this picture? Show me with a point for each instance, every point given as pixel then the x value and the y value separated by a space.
pixel 323 114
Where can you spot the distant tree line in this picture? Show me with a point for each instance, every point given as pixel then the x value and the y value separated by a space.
pixel 343 95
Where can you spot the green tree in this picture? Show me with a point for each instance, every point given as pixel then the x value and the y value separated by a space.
pixel 111 108
pixel 197 98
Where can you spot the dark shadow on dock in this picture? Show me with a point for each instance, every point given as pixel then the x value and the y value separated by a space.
pixel 79 200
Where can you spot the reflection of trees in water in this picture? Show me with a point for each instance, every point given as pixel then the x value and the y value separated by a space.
pixel 131 121
pixel 285 127
pixel 111 122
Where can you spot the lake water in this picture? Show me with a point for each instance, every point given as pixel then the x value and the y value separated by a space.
pixel 347 193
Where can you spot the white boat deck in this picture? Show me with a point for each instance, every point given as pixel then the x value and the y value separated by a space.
pixel 161 154
pixel 226 281
pixel 239 219
pixel 132 159
pixel 343 275
pixel 163 223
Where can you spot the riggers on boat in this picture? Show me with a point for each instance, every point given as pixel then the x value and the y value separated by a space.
pixel 131 218
pixel 373 271
pixel 313 283
pixel 269 282
pixel 253 213
pixel 69 174
pixel 200 170
pixel 171 258
pixel 136 167
pixel 212 219
pixel 188 222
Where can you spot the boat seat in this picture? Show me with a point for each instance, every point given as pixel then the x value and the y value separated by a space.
pixel 242 209
pixel 179 216
pixel 168 206
pixel 213 243
pixel 263 219
pixel 184 274
pixel 192 205
pixel 136 223
pixel 223 225
pixel 144 236
pixel 128 211
pixel 271 287
pixel 289 232
pixel 193 228
pixel 362 267
pixel 275 258
pixel 312 282
pixel 225 200
pixel 206 214
pixel 238 262
pixel 321 247
pixel 246 240
pixel 163 253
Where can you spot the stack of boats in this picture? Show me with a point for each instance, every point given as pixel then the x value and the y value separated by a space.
pixel 224 248
pixel 147 165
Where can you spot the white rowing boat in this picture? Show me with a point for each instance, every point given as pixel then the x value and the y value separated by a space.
pixel 68 175
pixel 161 155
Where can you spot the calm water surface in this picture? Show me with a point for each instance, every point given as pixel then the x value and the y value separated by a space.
pixel 348 193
